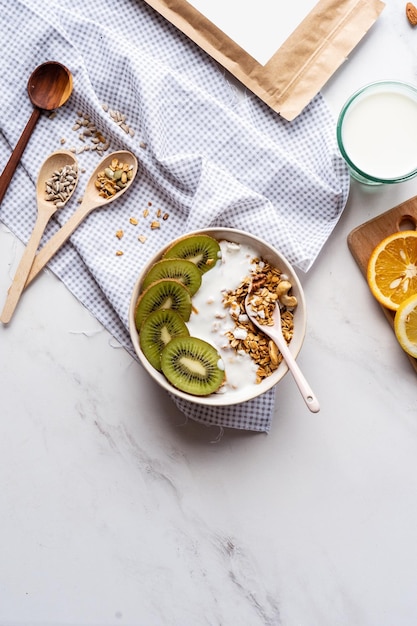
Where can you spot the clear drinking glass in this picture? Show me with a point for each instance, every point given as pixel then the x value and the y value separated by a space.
pixel 377 132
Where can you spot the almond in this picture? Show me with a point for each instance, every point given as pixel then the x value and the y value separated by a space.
pixel 411 12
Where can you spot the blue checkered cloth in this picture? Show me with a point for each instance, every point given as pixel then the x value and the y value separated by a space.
pixel 208 156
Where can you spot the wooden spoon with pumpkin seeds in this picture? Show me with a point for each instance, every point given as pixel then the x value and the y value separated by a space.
pixel 110 180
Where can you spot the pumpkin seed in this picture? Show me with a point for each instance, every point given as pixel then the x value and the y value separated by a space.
pixel 113 178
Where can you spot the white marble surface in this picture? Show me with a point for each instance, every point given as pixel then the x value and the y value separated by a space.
pixel 114 511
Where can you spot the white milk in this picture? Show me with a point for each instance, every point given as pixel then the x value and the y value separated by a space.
pixel 380 134
pixel 211 320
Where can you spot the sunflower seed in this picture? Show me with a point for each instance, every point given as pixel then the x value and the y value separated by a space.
pixel 60 185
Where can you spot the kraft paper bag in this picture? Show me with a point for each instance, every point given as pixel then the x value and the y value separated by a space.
pixel 300 67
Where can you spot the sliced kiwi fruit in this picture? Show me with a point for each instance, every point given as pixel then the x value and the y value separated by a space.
pixel 163 294
pixel 192 365
pixel 156 332
pixel 202 250
pixel 178 269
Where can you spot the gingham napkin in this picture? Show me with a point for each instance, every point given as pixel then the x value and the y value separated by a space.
pixel 207 156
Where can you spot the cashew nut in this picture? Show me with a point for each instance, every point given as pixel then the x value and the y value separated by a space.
pixel 283 288
pixel 273 352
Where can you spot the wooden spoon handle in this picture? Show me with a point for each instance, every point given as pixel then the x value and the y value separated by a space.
pixel 19 281
pixel 306 391
pixel 16 155
pixel 56 241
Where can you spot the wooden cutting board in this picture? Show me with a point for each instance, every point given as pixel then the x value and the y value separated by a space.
pixel 363 239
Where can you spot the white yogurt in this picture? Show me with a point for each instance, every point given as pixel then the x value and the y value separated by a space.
pixel 211 320
pixel 379 133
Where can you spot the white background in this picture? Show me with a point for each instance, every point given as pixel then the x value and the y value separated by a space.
pixel 259 27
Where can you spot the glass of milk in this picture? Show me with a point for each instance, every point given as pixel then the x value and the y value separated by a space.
pixel 377 132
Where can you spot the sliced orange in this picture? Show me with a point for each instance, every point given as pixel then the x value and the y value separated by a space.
pixel 405 325
pixel 392 269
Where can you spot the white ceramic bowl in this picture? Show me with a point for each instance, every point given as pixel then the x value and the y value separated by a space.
pixel 268 253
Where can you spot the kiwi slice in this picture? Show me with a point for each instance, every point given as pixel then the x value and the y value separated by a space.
pixel 163 294
pixel 202 250
pixel 178 269
pixel 192 365
pixel 156 332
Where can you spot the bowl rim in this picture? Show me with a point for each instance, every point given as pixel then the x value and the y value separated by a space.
pixel 231 398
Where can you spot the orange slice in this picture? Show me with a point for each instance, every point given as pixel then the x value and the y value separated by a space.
pixel 392 269
pixel 405 325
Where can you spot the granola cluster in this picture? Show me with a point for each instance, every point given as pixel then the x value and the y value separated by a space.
pixel 267 284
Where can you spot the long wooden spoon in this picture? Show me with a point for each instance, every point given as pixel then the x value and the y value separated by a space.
pixel 91 201
pixel 55 163
pixel 49 87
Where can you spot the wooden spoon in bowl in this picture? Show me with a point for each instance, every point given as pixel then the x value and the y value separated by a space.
pixel 49 87
pixel 275 333
pixel 59 166
pixel 91 200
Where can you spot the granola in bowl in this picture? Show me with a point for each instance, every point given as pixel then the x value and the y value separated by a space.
pixel 266 286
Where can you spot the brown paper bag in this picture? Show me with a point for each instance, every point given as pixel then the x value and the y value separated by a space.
pixel 301 66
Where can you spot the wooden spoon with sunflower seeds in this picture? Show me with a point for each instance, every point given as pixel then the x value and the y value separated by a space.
pixel 56 183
